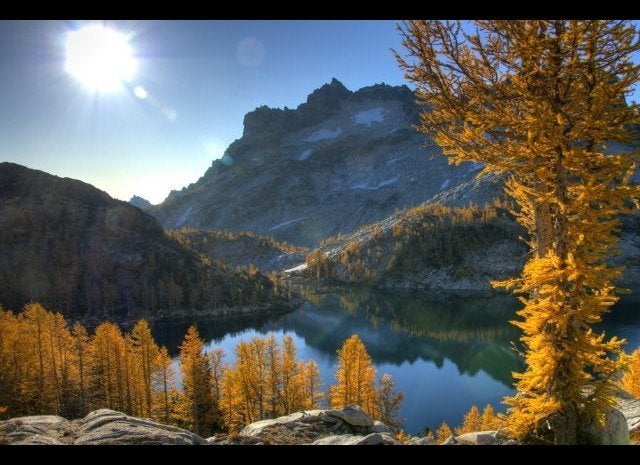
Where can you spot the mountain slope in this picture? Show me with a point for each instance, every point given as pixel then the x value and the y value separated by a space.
pixel 241 249
pixel 433 246
pixel 75 249
pixel 340 160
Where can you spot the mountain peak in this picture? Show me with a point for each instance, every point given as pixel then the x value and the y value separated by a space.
pixel 139 202
pixel 328 97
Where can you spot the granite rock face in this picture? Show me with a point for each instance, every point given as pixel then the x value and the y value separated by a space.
pixel 101 427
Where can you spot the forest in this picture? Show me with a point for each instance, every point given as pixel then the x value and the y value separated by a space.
pixel 431 235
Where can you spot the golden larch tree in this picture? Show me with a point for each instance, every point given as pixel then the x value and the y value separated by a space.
pixel 389 401
pixel 197 404
pixel 145 354
pixel 164 392
pixel 490 421
pixel 355 378
pixel 472 421
pixel 109 377
pixel 542 102
pixel 81 344
pixel 310 384
pixel 631 380
pixel 443 433
pixel 12 363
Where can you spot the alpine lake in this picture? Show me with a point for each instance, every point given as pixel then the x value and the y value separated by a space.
pixel 446 350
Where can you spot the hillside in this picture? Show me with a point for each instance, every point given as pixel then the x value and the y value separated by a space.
pixel 244 249
pixel 75 249
pixel 433 246
pixel 339 160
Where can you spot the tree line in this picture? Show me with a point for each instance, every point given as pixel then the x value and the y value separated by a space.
pixel 426 236
pixel 50 367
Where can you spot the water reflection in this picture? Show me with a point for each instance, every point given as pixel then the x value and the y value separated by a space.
pixel 445 350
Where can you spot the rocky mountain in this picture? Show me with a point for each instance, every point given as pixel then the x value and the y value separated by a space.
pixel 139 202
pixel 339 160
pixel 76 250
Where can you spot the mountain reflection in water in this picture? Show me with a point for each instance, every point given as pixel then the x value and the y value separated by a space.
pixel 445 350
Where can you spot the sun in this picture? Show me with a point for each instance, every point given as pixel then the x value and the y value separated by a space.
pixel 100 58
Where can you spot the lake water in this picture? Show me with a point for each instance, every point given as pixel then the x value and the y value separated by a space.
pixel 446 351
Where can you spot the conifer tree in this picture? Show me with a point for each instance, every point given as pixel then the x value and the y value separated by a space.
pixel 355 377
pixel 443 433
pixel 164 391
pixel 472 422
pixel 292 379
pixel 197 401
pixel 310 383
pixel 389 402
pixel 489 420
pixel 631 379
pixel 108 372
pixel 81 345
pixel 145 354
pixel 541 101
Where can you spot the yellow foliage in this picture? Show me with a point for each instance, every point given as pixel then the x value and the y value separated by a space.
pixel 443 433
pixel 472 422
pixel 403 437
pixel 631 379
pixel 541 101
pixel 490 421
pixel 197 405
pixel 267 381
pixel 355 377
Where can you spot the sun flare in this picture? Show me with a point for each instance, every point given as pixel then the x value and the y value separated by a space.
pixel 99 57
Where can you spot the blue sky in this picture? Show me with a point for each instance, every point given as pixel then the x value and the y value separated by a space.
pixel 201 77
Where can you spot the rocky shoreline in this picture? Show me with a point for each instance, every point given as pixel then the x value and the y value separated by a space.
pixel 349 426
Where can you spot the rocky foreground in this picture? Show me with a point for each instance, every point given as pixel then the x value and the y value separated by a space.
pixel 350 426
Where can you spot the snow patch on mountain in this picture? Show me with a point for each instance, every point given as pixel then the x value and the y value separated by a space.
pixel 324 134
pixel 285 223
pixel 369 187
pixel 368 117
pixel 306 154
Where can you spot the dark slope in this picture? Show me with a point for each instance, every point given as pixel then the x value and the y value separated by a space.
pixel 75 249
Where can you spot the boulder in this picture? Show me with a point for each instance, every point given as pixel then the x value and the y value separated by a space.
pixel 615 431
pixel 379 427
pixel 108 427
pixel 478 438
pixel 352 415
pixel 630 408
pixel 38 440
pixel 389 440
pixel 258 427
pixel 37 429
pixel 415 441
pixel 104 427
pixel 372 439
